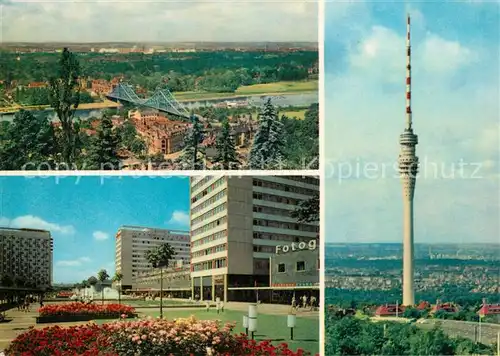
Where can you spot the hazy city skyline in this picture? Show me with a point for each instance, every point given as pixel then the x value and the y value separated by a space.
pixel 159 21
pixel 83 218
pixel 455 77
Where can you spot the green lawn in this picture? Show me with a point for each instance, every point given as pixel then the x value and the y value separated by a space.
pixel 257 89
pixel 270 327
pixel 279 87
pixel 298 114
pixel 146 303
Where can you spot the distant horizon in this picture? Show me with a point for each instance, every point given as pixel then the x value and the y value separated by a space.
pixel 69 21
pixel 160 42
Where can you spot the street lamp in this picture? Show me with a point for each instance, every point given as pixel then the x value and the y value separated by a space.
pixel 245 323
pixel 291 323
pixel 252 319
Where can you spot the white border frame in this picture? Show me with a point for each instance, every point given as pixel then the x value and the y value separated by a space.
pixel 236 173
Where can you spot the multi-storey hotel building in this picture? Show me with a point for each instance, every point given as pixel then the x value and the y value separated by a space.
pixel 26 255
pixel 236 224
pixel 132 242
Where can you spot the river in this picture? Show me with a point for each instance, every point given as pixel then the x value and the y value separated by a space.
pixel 283 100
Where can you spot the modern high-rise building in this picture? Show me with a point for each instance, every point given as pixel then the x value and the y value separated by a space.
pixel 236 224
pixel 408 169
pixel 26 256
pixel 131 245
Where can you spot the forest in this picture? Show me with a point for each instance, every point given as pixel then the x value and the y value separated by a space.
pixel 354 336
pixel 200 71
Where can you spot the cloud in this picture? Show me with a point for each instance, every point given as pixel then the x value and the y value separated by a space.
pixel 160 21
pixel 73 263
pixel 456 116
pixel 73 275
pixel 35 222
pixel 381 54
pixel 100 235
pixel 179 218
pixel 442 56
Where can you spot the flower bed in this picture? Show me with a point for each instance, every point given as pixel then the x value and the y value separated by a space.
pixel 145 337
pixel 83 312
pixel 87 340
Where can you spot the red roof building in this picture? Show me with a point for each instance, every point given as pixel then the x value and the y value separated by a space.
pixel 423 305
pixel 447 307
pixel 390 310
pixel 489 309
pixel 37 85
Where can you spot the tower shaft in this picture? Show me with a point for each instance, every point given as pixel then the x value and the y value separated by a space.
pixel 408 170
pixel 408 254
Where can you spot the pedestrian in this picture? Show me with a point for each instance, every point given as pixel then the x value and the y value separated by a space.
pixel 27 305
pixel 313 302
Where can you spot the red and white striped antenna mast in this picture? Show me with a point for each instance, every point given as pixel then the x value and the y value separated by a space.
pixel 408 75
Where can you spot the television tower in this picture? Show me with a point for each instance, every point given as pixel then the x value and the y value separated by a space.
pixel 408 169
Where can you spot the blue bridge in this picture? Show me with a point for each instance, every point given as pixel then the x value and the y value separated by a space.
pixel 161 100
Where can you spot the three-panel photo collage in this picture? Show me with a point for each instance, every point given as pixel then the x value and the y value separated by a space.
pixel 249 178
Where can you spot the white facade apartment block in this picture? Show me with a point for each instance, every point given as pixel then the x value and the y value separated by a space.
pixel 236 222
pixel 27 254
pixel 131 245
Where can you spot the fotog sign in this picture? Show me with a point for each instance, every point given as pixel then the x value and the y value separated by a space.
pixel 297 246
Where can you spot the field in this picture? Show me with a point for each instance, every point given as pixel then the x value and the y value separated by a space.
pixel 270 327
pixel 465 329
pixel 298 114
pixel 257 89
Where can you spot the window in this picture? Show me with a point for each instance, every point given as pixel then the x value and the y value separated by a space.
pixel 301 266
pixel 281 268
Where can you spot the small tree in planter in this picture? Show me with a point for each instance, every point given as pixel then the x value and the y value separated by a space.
pixel 92 281
pixel 117 278
pixel 159 257
pixel 102 275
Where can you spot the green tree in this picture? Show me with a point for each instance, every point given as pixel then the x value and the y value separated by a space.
pixel 192 154
pixel 268 145
pixel 102 276
pixel 307 210
pixel 6 280
pixel 311 137
pixel 226 152
pixel 28 143
pixel 64 97
pixel 117 278
pixel 19 282
pixel 102 153
pixel 432 342
pixel 129 139
pixel 92 281
pixel 159 257
pixel 85 284
pixel 302 139
pixel 411 313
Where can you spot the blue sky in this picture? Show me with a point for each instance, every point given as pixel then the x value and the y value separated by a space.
pixel 455 102
pixel 160 20
pixel 84 214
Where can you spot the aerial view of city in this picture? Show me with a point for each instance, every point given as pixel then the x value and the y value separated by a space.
pixel 228 265
pixel 162 96
pixel 412 235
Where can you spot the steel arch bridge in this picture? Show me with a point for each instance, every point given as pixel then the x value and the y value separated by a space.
pixel 161 100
